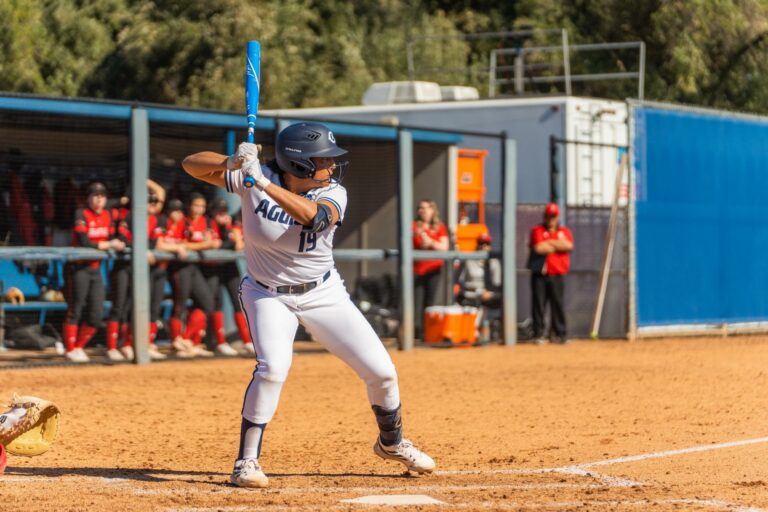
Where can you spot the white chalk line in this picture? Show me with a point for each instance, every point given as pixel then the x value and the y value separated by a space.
pixel 407 489
pixel 716 504
pixel 672 453
pixel 577 469
pixel 719 504
pixel 607 462
pixel 130 486
pixel 607 480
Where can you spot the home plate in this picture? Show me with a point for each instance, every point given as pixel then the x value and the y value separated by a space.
pixel 396 499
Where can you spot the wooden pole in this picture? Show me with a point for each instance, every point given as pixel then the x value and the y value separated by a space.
pixel 610 238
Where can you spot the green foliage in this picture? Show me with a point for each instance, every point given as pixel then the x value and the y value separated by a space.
pixel 705 52
pixel 23 41
pixel 327 52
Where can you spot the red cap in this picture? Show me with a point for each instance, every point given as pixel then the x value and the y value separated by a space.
pixel 552 210
pixel 484 238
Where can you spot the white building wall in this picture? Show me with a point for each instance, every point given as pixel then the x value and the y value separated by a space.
pixel 590 171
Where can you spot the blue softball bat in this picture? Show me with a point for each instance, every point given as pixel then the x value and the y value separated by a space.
pixel 252 83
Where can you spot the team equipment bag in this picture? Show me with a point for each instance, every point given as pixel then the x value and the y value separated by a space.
pixel 33 337
pixel 29 426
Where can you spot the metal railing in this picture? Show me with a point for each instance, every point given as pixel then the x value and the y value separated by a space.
pixel 567 77
pixel 519 35
pixel 519 51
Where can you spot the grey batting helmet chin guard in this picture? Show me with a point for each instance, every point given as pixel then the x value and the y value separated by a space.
pixel 298 143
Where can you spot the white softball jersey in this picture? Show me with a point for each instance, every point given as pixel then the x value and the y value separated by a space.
pixel 278 250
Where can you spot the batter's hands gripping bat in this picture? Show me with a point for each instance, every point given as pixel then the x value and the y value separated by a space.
pixel 252 78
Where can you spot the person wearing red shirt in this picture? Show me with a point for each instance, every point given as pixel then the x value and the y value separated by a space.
pixel 160 240
pixel 84 287
pixel 429 234
pixel 120 290
pixel 549 261
pixel 118 324
pixel 187 281
pixel 227 274
pixel 172 238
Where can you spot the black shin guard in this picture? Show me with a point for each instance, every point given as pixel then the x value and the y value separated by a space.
pixel 390 425
pixel 245 430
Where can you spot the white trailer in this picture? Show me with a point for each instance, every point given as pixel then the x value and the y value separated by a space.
pixel 588 130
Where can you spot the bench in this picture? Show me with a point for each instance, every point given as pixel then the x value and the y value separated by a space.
pixel 31 284
pixel 42 306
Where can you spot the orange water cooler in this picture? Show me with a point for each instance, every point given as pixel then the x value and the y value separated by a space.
pixel 450 326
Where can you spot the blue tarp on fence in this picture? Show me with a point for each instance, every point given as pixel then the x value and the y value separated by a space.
pixel 701 217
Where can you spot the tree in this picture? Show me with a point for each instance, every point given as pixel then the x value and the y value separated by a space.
pixel 327 52
pixel 705 52
pixel 24 44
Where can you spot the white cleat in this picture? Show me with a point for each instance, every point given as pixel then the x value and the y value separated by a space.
pixel 127 352
pixel 201 351
pixel 114 355
pixel 248 473
pixel 413 458
pixel 184 354
pixel 77 355
pixel 183 347
pixel 225 349
pixel 155 354
pixel 182 344
pixel 248 348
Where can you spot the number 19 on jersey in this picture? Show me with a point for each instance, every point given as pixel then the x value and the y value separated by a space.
pixel 307 241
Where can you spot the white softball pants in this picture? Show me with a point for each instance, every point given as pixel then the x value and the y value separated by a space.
pixel 334 321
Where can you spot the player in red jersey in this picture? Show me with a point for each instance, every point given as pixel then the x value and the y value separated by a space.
pixel 120 291
pixel 158 270
pixel 84 287
pixel 228 275
pixel 188 282
pixel 120 280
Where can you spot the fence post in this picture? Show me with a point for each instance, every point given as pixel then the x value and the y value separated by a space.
pixel 566 61
pixel 632 223
pixel 405 200
pixel 508 237
pixel 139 264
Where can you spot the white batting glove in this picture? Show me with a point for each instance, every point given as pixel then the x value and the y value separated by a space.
pixel 253 169
pixel 246 152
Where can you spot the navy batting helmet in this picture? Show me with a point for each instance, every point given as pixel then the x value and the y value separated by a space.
pixel 297 144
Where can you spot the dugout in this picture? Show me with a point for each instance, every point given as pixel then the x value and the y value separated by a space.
pixel 52 147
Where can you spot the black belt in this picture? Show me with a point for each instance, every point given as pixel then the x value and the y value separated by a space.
pixel 296 289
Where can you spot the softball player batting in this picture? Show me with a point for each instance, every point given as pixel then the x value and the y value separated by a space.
pixel 289 219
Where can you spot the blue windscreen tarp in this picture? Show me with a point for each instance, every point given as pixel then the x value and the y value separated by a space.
pixel 701 217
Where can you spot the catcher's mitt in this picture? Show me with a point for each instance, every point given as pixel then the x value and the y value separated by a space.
pixel 29 427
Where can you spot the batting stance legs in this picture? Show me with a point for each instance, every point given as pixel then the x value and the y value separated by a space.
pixel 334 321
pixel 338 325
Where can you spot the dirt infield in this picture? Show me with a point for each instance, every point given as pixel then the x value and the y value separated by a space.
pixel 668 425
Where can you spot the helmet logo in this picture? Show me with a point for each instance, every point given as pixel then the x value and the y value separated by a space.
pixel 331 137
